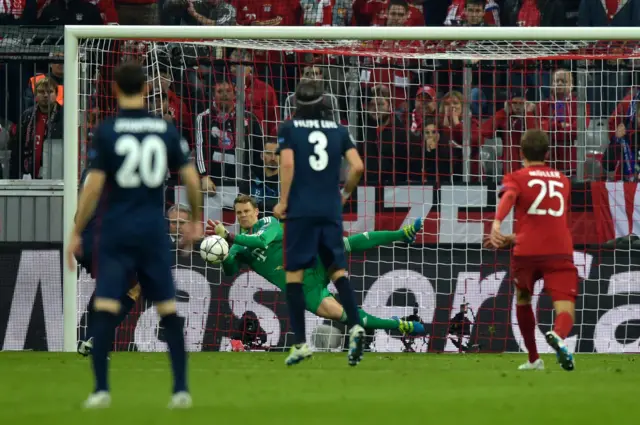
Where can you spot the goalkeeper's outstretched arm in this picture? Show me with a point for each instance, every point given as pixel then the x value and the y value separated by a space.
pixel 269 231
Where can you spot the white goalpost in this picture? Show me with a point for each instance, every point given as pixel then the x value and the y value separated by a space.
pixel 448 267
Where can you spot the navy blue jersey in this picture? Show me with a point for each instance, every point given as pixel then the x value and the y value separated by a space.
pixel 135 150
pixel 318 147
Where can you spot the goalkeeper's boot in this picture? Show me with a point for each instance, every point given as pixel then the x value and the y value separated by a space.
pixel 356 344
pixel 536 365
pixel 565 358
pixel 180 400
pixel 411 230
pixel 297 354
pixel 98 400
pixel 410 328
pixel 85 347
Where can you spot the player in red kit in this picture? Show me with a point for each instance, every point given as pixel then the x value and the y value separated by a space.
pixel 543 245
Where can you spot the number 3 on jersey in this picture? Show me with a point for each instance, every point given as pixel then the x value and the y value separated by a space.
pixel 145 162
pixel 319 160
pixel 551 191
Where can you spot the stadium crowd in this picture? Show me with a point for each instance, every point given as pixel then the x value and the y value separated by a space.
pixel 412 118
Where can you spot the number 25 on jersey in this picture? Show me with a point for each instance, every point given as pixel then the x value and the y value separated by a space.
pixel 145 161
pixel 548 189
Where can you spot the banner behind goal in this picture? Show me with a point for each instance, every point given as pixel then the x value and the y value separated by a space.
pixel 438 121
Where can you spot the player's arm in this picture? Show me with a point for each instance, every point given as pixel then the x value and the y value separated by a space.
pixel 269 232
pixel 356 166
pixel 286 174
pixel 231 264
pixel 89 196
pixel 93 184
pixel 508 197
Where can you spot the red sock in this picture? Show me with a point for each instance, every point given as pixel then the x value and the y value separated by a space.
pixel 563 324
pixel 527 325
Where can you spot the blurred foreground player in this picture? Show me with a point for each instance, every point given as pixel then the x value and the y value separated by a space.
pixel 543 245
pixel 311 147
pixel 85 260
pixel 129 158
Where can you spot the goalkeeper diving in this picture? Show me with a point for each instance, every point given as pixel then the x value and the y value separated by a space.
pixel 259 246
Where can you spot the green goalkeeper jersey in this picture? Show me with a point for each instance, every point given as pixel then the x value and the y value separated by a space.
pixel 260 248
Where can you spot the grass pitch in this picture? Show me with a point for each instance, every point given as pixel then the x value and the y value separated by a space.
pixel 257 389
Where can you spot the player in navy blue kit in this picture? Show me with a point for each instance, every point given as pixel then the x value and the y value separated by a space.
pixel 85 260
pixel 129 158
pixel 311 148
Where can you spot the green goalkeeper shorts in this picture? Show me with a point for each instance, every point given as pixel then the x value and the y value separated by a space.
pixel 315 282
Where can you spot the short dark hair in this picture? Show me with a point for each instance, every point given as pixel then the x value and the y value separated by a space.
pixel 245 199
pixel 401 3
pixel 475 2
pixel 535 145
pixel 429 121
pixel 309 100
pixel 130 78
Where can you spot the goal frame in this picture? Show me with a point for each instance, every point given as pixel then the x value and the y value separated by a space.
pixel 73 33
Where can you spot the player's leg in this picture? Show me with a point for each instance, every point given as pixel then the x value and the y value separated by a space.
pixel 126 304
pixel 113 269
pixel 527 324
pixel 300 246
pixel 332 256
pixel 329 308
pixel 369 240
pixel 524 275
pixel 156 281
pixel 561 282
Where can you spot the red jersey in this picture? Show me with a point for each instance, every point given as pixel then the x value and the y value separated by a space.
pixel 542 201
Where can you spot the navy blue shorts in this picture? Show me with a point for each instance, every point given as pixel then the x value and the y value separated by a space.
pixel 306 239
pixel 117 266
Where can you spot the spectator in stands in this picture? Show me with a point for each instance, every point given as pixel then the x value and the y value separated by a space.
pixel 317 12
pixel 260 98
pixel 533 13
pixel 432 160
pixel 456 12
pixel 509 124
pixel 176 107
pixel 451 125
pixel 559 116
pixel 388 153
pixel 56 74
pixel 426 106
pixel 177 215
pixel 262 13
pixel 393 72
pixel 158 103
pixel 217 152
pixel 39 123
pixel 202 12
pixel 70 12
pixel 390 13
pixel 265 182
pixel 621 156
pixel 604 13
pixel 330 101
pixel 474 14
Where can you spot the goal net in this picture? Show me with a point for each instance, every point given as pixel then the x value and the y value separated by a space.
pixel 438 124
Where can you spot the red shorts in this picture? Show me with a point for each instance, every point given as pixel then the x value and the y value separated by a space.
pixel 559 273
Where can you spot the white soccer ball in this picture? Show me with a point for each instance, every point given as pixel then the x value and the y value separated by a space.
pixel 214 249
